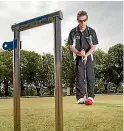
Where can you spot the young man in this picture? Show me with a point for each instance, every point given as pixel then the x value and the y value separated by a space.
pixel 83 40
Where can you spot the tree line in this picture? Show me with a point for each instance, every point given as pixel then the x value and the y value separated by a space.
pixel 37 71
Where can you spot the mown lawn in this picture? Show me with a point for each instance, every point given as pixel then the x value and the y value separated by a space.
pixel 38 114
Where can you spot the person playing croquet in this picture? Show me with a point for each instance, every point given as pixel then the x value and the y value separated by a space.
pixel 83 40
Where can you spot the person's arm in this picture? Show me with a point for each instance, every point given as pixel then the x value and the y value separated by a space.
pixel 94 43
pixel 72 46
pixel 74 50
pixel 91 50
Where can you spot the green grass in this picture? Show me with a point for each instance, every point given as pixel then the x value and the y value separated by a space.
pixel 38 114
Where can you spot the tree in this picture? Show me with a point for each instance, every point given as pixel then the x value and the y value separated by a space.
pixel 101 70
pixel 30 62
pixel 68 71
pixel 48 72
pixel 6 70
pixel 116 64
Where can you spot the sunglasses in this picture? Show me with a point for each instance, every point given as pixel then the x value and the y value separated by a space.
pixel 81 21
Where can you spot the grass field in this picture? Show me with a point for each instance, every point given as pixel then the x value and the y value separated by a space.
pixel 38 114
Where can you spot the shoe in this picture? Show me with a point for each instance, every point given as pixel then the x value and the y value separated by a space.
pixel 89 101
pixel 81 101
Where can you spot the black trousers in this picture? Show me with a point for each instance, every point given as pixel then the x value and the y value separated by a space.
pixel 80 75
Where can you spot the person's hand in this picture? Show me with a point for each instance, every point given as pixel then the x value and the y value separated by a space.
pixel 81 53
pixel 85 58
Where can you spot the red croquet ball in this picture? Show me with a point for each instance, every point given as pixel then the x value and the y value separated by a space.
pixel 89 102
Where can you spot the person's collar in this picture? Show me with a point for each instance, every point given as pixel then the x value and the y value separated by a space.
pixel 78 29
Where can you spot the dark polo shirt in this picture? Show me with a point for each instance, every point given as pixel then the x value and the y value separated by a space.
pixel 82 39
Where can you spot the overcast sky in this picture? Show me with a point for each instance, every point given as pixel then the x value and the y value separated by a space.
pixel 105 17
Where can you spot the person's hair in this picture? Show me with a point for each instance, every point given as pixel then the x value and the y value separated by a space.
pixel 81 13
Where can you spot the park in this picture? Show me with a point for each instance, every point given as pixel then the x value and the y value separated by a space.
pixel 37 93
